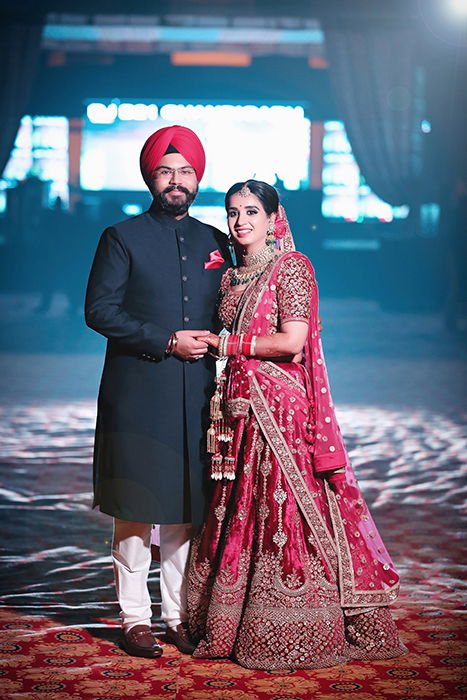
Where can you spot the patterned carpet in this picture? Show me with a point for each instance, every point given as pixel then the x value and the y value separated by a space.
pixel 58 622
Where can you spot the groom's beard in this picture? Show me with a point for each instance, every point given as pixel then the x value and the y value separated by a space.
pixel 177 207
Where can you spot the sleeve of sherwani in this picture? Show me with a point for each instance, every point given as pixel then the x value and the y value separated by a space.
pixel 105 295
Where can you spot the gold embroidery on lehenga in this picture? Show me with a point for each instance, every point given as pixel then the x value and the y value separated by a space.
pixel 289 624
pixel 226 581
pixel 294 478
pixel 373 635
pixel 293 585
pixel 265 468
pixel 279 537
pixel 223 606
pixel 220 511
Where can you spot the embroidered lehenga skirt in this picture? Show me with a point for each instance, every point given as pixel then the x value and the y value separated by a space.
pixel 266 579
pixel 289 570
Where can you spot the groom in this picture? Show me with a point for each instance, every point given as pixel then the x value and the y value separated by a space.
pixel 152 293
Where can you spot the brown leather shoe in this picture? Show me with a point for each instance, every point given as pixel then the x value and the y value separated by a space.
pixel 180 636
pixel 140 641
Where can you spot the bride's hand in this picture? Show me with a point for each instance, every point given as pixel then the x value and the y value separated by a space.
pixel 212 339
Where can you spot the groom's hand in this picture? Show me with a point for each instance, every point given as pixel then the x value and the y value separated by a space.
pixel 191 345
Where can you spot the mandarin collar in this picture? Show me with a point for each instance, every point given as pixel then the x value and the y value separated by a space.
pixel 169 221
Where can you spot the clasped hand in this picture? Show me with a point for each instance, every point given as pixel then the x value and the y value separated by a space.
pixel 193 345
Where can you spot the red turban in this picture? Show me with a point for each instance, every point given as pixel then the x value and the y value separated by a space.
pixel 184 140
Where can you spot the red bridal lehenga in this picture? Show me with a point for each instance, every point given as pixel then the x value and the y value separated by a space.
pixel 289 570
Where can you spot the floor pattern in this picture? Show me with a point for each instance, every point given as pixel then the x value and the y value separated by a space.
pixel 58 623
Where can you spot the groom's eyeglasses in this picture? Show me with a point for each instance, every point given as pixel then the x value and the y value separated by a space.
pixel 170 172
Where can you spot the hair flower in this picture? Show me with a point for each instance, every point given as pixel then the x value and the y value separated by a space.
pixel 281 223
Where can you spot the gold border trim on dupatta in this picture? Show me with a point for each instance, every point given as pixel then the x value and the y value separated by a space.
pixel 350 597
pixel 272 370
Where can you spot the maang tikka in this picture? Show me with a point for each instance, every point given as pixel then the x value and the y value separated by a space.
pixel 244 191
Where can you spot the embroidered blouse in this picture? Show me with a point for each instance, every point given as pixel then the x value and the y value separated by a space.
pixel 292 300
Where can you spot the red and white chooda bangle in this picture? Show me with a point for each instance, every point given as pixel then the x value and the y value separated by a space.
pixel 231 344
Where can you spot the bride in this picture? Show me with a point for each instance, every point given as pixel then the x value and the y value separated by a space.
pixel 289 570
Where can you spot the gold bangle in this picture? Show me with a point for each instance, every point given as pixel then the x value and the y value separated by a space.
pixel 221 350
pixel 172 344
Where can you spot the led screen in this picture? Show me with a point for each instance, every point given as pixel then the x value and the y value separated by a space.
pixel 270 143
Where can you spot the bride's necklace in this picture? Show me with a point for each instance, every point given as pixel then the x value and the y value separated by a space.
pixel 252 266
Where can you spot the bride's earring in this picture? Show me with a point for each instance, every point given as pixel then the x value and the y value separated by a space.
pixel 270 233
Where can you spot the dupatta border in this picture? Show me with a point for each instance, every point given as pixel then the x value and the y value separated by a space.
pixel 273 370
pixel 292 474
pixel 350 597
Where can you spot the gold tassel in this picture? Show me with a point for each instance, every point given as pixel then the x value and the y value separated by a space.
pixel 215 405
pixel 219 432
pixel 212 442
pixel 215 410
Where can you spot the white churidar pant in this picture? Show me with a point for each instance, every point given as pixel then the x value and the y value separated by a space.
pixel 131 553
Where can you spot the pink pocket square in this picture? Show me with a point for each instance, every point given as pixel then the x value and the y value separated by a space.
pixel 215 260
